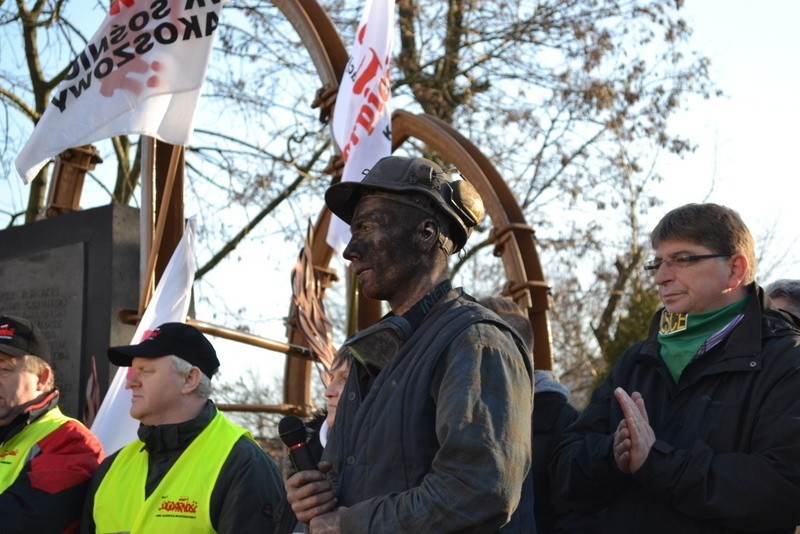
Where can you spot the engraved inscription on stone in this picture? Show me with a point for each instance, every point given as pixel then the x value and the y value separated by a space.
pixel 47 288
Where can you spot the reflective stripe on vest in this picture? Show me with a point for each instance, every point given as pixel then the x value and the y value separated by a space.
pixel 16 452
pixel 182 500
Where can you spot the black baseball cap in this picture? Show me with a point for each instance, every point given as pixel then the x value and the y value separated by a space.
pixel 170 339
pixel 20 337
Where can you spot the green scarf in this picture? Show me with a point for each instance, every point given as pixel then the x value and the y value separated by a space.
pixel 681 335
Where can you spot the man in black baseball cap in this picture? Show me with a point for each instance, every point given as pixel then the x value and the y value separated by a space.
pixel 184 442
pixel 20 337
pixel 46 458
pixel 176 339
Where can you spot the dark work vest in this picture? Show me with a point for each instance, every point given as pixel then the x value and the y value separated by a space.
pixel 391 440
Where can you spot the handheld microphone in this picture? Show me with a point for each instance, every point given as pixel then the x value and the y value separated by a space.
pixel 292 432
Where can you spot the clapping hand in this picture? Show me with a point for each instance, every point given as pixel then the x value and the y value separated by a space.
pixel 634 437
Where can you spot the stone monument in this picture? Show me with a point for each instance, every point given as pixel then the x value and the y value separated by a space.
pixel 71 275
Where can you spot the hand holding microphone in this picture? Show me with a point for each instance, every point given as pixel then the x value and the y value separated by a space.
pixel 308 491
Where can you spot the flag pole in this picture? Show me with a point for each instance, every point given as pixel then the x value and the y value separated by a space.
pixel 161 220
pixel 147 212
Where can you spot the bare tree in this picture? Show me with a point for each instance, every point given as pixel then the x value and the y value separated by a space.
pixel 570 99
pixel 251 389
pixel 44 63
pixel 572 102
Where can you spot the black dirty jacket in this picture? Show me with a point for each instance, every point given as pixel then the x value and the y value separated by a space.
pixel 441 442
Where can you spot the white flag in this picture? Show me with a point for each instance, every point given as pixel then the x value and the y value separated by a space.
pixel 114 426
pixel 141 73
pixel 362 117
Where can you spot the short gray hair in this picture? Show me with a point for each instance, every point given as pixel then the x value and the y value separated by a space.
pixel 182 367
pixel 787 289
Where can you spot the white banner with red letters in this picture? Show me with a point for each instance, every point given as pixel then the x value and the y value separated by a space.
pixel 140 73
pixel 362 117
pixel 114 426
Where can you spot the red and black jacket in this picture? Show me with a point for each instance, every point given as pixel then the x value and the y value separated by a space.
pixel 48 495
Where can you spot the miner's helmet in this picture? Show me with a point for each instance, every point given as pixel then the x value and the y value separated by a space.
pixel 456 199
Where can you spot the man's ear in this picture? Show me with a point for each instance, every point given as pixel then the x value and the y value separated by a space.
pixel 191 381
pixel 428 232
pixel 738 270
pixel 44 378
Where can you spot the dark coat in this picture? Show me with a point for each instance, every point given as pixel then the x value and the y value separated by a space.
pixel 441 441
pixel 727 450
pixel 552 413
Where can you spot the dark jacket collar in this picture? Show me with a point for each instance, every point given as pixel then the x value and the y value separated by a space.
pixel 163 438
pixel 761 320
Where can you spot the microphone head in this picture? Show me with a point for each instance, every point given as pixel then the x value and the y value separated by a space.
pixel 292 430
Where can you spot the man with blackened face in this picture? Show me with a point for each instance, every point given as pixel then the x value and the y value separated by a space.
pixel 387 248
pixel 432 431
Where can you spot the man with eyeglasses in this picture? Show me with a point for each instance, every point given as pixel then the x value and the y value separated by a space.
pixel 697 428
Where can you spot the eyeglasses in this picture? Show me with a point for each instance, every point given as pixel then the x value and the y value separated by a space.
pixel 681 262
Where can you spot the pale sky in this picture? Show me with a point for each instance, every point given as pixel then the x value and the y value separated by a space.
pixel 747 158
pixel 748 141
pixel 747 138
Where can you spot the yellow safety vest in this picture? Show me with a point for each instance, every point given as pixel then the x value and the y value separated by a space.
pixel 181 503
pixel 16 452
